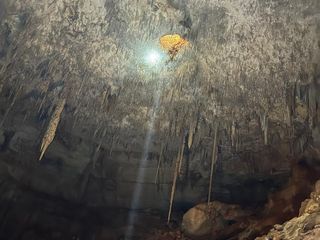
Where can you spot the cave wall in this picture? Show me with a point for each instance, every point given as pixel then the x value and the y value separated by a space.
pixel 252 67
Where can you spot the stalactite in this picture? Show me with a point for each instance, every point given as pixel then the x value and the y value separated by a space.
pixel 44 90
pixel 41 104
pixel 75 120
pixel 95 132
pixel 51 110
pixel 81 86
pixel 112 144
pixel 97 150
pixel 312 108
pixel 171 94
pixel 289 116
pixel 1 87
pixel 25 116
pixel 175 176
pixel 301 145
pixel 173 188
pixel 266 130
pixel 96 155
pixel 170 128
pixel 317 117
pixel 237 140
pixel 181 156
pixel 213 159
pixel 52 128
pixel 190 135
pixel 11 105
pixel 291 107
pixel 196 135
pixel 103 99
pixel 156 180
pixel 184 162
pixel 233 134
pixel 264 127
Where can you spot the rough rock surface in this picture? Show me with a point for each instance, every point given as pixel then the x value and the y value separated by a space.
pixel 90 53
pixel 215 220
pixel 223 221
pixel 252 67
pixel 305 226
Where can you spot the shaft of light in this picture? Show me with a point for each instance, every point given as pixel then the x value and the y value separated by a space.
pixel 142 166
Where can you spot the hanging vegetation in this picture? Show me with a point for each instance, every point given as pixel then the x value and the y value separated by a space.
pixel 173 44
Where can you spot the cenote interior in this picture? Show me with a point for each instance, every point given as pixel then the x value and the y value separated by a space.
pixel 159 119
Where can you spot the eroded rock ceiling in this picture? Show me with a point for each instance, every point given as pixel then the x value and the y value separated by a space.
pixel 252 66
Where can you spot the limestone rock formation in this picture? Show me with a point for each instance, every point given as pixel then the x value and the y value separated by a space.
pixel 220 221
pixel 305 226
pixel 90 53
pixel 215 220
pixel 250 67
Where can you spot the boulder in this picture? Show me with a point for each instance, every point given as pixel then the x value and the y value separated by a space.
pixel 305 226
pixel 309 206
pixel 213 218
pixel 196 221
pixel 317 187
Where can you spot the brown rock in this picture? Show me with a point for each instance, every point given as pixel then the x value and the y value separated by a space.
pixel 314 235
pixel 196 222
pixel 317 187
pixel 216 219
pixel 303 227
pixel 278 227
pixel 315 196
pixel 309 206
pixel 311 221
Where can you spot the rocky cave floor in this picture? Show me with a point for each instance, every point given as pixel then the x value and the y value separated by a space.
pixel 32 215
pixel 27 215
pixel 305 225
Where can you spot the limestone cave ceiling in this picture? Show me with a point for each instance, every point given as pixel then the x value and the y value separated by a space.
pixel 248 63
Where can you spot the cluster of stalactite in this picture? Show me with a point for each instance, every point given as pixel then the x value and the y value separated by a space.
pixel 221 82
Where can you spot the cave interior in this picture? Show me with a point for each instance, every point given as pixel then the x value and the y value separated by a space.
pixel 159 119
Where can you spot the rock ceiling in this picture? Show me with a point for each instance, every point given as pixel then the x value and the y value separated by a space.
pixel 246 60
pixel 223 119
